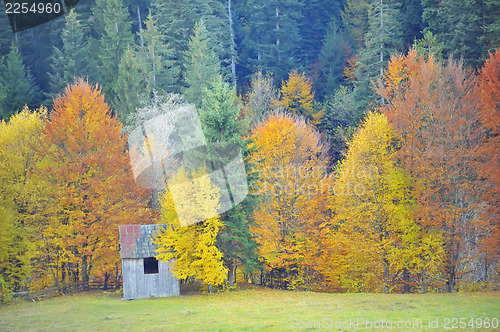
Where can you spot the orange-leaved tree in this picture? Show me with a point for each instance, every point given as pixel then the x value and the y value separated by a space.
pixel 289 158
pixel 434 113
pixel 488 90
pixel 89 172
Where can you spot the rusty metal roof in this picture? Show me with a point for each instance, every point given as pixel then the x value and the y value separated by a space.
pixel 136 241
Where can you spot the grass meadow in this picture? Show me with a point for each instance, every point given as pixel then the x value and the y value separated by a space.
pixel 257 309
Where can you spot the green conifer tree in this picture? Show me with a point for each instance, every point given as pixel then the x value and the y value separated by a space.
pixel 112 24
pixel 459 25
pixel 383 38
pixel 155 59
pixel 6 35
pixel 176 21
pixel 273 36
pixel 314 27
pixel 355 20
pixel 201 63
pixel 333 58
pixel 221 123
pixel 491 37
pixel 19 87
pixel 73 59
pixel 129 88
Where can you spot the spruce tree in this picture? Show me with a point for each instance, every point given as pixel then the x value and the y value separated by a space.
pixel 202 64
pixel 491 37
pixel 6 35
pixel 19 87
pixel 383 38
pixel 129 89
pixel 355 20
pixel 112 24
pixel 333 58
pixel 221 124
pixel 176 21
pixel 273 38
pixel 155 60
pixel 36 46
pixel 314 26
pixel 459 25
pixel 411 22
pixel 73 59
pixel 6 38
pixel 220 113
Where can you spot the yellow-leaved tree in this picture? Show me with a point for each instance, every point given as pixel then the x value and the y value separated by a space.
pixel 375 244
pixel 192 246
pixel 297 97
pixel 22 196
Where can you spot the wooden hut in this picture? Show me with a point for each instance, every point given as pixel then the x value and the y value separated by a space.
pixel 143 275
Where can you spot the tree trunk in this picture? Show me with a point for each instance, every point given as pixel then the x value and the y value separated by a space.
pixel 277 32
pixel 85 275
pixel 450 281
pixel 232 43
pixel 230 274
pixel 386 275
pixel 117 277
pixel 139 23
pixel 485 269
pixel 63 276
pixel 406 281
pixel 451 268
pixel 422 281
pixel 381 43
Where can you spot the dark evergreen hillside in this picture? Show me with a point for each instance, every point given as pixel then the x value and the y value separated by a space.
pixel 318 37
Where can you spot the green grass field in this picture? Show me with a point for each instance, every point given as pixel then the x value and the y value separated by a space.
pixel 253 310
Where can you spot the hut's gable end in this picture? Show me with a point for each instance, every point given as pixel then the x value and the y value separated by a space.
pixel 136 241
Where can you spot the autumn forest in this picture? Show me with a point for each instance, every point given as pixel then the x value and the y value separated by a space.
pixel 369 131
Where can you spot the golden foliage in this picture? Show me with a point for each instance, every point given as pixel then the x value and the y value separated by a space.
pixel 297 97
pixel 22 195
pixel 293 186
pixel 193 246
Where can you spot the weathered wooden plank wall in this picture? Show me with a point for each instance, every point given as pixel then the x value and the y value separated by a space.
pixel 137 285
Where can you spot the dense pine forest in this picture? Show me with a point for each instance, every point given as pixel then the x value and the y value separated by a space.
pixel 369 130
